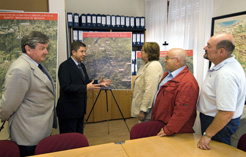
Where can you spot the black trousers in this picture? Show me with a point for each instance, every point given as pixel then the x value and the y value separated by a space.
pixel 26 150
pixel 71 125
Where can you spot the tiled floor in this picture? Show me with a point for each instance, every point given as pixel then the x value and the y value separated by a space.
pixel 109 131
pixel 99 132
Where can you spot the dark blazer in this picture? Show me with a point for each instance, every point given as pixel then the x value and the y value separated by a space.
pixel 72 101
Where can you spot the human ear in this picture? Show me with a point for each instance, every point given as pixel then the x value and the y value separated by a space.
pixel 28 49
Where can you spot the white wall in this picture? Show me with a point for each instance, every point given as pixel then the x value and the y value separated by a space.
pixel 111 7
pixel 59 7
pixel 224 7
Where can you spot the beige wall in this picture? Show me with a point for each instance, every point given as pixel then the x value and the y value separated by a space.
pixel 224 7
pixel 33 5
pixel 111 7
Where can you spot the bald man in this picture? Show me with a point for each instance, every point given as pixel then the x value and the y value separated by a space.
pixel 222 96
pixel 174 108
pixel 175 101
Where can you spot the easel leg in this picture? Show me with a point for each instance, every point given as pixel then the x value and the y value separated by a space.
pixel 92 109
pixel 119 109
pixel 107 107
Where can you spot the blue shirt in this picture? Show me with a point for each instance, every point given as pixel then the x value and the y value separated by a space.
pixel 170 76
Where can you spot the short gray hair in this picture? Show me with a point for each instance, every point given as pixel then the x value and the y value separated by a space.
pixel 33 39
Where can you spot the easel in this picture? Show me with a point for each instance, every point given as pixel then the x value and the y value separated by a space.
pixel 105 89
pixel 2 126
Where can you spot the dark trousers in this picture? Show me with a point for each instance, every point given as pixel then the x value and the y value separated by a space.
pixel 26 150
pixel 224 135
pixel 71 125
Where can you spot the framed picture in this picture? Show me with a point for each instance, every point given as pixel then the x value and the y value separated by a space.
pixel 234 24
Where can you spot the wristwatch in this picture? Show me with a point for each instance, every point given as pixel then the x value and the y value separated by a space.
pixel 205 134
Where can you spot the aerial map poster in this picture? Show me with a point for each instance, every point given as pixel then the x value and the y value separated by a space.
pixel 13 26
pixel 108 54
pixel 234 24
pixel 163 54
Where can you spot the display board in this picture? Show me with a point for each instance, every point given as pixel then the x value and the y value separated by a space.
pixel 13 26
pixel 108 54
pixel 163 54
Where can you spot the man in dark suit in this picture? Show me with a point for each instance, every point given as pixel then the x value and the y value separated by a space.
pixel 74 84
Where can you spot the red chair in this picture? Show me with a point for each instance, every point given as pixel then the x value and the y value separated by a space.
pixel 146 129
pixel 242 143
pixel 61 142
pixel 9 149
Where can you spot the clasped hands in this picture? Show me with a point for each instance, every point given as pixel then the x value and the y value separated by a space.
pixel 102 82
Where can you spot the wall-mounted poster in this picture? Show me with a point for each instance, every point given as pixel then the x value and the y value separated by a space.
pixel 108 54
pixel 163 54
pixel 234 24
pixel 13 26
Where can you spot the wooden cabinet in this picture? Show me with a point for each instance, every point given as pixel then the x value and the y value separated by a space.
pixel 106 111
pixel 101 112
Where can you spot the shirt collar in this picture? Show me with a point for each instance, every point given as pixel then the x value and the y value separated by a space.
pixel 221 64
pixel 31 59
pixel 176 72
pixel 75 61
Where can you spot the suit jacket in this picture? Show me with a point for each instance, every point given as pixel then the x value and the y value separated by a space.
pixel 73 91
pixel 28 102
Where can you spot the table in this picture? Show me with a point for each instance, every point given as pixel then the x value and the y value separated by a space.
pixel 184 145
pixel 103 150
pixel 177 145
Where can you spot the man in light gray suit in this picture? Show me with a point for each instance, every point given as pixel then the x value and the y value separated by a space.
pixel 28 101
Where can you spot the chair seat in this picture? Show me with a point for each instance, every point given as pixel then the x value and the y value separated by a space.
pixel 146 129
pixel 61 142
pixel 9 149
pixel 242 143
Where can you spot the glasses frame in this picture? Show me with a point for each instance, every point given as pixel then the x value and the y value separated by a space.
pixel 167 58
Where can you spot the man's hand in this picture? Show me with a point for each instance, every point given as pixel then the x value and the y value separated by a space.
pixel 161 133
pixel 220 121
pixel 104 82
pixel 204 143
pixel 91 86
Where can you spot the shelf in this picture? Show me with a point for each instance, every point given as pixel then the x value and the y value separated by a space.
pixel 108 29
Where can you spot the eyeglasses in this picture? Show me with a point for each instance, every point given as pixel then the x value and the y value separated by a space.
pixel 167 58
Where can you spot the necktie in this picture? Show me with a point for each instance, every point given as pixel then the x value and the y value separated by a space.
pixel 54 120
pixel 81 71
pixel 42 69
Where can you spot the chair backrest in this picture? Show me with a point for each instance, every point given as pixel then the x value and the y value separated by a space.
pixel 9 149
pixel 242 143
pixel 61 142
pixel 146 129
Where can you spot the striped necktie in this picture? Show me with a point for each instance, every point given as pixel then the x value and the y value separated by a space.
pixel 81 70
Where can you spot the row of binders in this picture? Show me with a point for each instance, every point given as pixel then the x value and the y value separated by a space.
pixel 134 62
pixel 138 39
pixel 105 21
